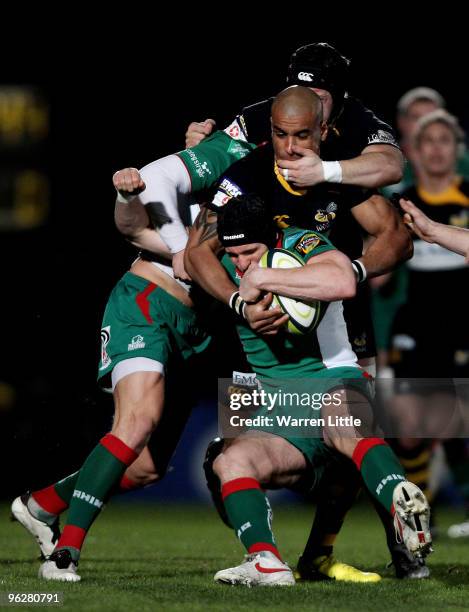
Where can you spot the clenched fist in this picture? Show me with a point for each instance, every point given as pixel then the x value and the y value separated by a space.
pixel 128 182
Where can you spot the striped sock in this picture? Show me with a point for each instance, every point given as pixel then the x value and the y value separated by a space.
pixel 46 504
pixel 380 469
pixel 249 512
pixel 103 468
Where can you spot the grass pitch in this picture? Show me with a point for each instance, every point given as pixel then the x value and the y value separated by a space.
pixel 145 557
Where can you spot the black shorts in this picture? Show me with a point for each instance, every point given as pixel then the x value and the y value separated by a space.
pixel 357 314
pixel 422 351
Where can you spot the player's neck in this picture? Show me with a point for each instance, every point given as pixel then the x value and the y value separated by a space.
pixel 436 184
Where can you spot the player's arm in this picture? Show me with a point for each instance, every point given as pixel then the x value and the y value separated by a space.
pixel 130 215
pixel 391 243
pixel 452 238
pixel 149 240
pixel 380 161
pixel 374 161
pixel 152 194
pixel 201 257
pixel 376 166
pixel 202 263
pixel 328 277
pixel 133 222
pixel 147 208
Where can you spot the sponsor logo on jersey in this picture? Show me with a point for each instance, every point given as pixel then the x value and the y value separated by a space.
pixel 245 378
pixel 305 76
pixel 325 216
pixel 307 244
pixel 237 149
pixel 226 191
pixel 235 131
pixel 90 499
pixel 282 221
pixel 105 337
pixel 359 343
pixel 200 168
pixel 136 343
pixel 230 188
pixel 220 198
pixel 242 123
pixel 381 137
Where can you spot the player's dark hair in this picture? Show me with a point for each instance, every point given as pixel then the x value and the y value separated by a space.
pixel 245 220
pixel 321 66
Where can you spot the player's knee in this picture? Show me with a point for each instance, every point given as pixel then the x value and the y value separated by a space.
pixel 233 463
pixel 343 445
pixel 139 406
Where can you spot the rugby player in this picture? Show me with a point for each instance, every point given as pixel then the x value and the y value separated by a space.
pixel 256 459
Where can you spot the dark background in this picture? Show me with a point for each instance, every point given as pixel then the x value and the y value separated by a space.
pixel 124 103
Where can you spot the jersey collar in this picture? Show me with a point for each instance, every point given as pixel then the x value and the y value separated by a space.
pixel 285 184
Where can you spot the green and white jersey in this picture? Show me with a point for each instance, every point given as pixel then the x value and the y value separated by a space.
pixel 170 182
pixel 207 161
pixel 295 356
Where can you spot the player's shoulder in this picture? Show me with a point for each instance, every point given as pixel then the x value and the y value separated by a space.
pixel 249 174
pixel 354 109
pixel 255 121
pixel 259 107
pixel 357 117
pixel 261 157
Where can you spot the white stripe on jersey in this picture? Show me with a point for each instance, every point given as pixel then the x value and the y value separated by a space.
pixel 332 335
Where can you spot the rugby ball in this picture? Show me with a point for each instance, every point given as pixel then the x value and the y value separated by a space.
pixel 304 317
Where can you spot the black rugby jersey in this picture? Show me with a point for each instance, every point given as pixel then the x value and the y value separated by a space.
pixel 356 128
pixel 433 270
pixel 324 208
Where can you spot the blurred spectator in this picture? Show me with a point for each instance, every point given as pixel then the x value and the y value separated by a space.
pixel 390 291
pixel 430 335
pixel 412 106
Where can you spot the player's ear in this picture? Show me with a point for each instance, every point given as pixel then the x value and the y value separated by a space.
pixel 324 131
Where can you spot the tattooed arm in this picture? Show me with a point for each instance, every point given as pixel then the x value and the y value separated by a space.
pixel 201 260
